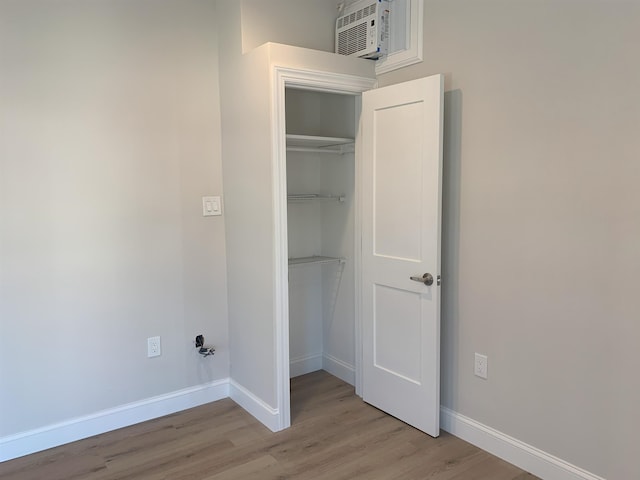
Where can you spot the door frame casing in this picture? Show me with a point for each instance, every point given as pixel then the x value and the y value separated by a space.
pixel 322 81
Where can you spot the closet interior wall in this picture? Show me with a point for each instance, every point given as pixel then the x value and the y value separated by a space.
pixel 321 293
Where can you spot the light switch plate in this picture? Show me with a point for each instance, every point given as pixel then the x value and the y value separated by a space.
pixel 211 206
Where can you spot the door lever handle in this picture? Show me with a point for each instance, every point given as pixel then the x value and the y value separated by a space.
pixel 427 279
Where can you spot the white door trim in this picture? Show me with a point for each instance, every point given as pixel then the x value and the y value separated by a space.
pixel 308 80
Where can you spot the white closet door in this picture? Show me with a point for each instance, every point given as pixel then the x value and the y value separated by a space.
pixel 402 165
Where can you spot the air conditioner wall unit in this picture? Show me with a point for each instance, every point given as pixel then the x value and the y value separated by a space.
pixel 362 29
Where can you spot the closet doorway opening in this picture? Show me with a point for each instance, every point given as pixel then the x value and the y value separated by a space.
pixel 322 251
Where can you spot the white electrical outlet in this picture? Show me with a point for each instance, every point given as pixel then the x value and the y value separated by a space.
pixel 481 365
pixel 153 347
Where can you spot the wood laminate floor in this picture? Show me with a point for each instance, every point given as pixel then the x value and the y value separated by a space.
pixel 334 435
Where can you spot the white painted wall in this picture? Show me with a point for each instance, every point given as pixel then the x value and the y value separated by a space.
pixel 542 225
pixel 109 135
pixel 304 234
pixel 321 298
pixel 338 239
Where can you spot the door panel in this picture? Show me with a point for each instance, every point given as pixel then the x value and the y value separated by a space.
pixel 400 180
pixel 396 321
pixel 401 215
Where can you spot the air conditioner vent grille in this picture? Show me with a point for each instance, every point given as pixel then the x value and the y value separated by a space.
pixel 353 39
pixel 357 15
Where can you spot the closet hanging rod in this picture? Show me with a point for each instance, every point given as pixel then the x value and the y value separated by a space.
pixel 338 150
pixel 307 197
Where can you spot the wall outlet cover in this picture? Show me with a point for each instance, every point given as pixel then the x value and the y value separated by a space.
pixel 481 366
pixel 153 347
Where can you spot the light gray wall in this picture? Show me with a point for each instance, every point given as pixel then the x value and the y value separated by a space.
pixel 302 23
pixel 246 151
pixel 109 135
pixel 542 220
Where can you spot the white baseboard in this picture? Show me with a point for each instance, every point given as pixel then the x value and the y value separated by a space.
pixel 267 415
pixel 514 451
pixel 303 365
pixel 312 363
pixel 32 441
pixel 340 369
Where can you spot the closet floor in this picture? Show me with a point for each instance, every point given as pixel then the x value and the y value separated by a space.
pixel 334 435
